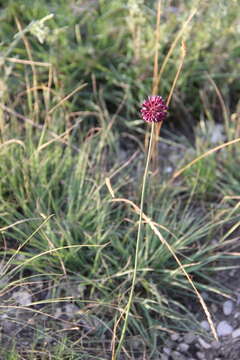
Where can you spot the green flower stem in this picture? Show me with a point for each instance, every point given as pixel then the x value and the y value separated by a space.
pixel 128 307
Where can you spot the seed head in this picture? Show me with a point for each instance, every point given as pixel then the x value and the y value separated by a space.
pixel 154 109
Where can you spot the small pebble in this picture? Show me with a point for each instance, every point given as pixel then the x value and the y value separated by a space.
pixel 204 344
pixel 58 312
pixel 177 356
pixel 22 297
pixel 164 357
pixel 214 308
pixel 183 347
pixel 236 333
pixel 175 337
pixel 224 329
pixel 197 346
pixel 71 310
pixel 205 325
pixel 236 315
pixel 238 298
pixel 25 343
pixel 8 326
pixel 168 169
pixel 232 273
pixel 227 307
pixel 166 350
pixel 200 355
pixel 3 316
pixel 190 337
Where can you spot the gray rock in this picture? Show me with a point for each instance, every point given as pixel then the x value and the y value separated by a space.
pixel 232 272
pixel 8 326
pixel 200 355
pixel 236 315
pixel 22 297
pixel 71 310
pixel 227 307
pixel 238 298
pixel 189 338
pixel 58 312
pixel 224 328
pixel 205 325
pixel 166 350
pixel 175 336
pixel 214 308
pixel 204 344
pixel 168 169
pixel 177 356
pixel 164 357
pixel 236 333
pixel 183 347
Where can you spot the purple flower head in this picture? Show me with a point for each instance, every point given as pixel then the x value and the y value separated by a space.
pixel 154 109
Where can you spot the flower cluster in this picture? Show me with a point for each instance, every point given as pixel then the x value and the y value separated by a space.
pixel 154 109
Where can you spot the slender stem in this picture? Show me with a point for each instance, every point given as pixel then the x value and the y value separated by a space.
pixel 137 246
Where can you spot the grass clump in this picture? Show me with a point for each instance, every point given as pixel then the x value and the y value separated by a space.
pixel 70 84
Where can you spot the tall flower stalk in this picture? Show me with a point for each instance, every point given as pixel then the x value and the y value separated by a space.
pixel 153 111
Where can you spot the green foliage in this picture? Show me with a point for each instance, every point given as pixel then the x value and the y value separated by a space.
pixel 114 42
pixel 201 177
